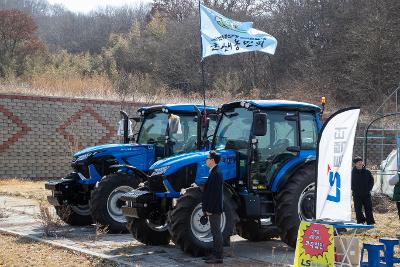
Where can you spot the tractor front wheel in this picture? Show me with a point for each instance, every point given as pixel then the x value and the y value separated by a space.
pixel 75 215
pixel 148 232
pixel 190 229
pixel 105 203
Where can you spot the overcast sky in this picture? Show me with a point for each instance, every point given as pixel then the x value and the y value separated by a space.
pixel 88 5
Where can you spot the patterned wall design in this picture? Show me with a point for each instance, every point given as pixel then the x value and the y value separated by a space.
pixel 38 135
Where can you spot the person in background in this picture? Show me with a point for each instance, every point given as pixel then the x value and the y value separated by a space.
pixel 362 182
pixel 213 206
pixel 394 180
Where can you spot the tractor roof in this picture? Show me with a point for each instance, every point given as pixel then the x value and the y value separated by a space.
pixel 184 108
pixel 273 104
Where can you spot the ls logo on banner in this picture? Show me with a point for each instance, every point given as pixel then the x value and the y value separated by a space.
pixel 334 177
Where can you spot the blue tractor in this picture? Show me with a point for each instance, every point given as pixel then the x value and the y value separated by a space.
pixel 268 157
pixel 91 193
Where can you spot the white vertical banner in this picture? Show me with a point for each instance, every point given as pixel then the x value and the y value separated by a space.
pixel 335 153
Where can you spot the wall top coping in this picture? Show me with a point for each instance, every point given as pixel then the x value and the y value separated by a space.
pixel 69 100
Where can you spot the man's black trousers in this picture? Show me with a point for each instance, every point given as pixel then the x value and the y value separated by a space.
pixel 363 201
pixel 215 225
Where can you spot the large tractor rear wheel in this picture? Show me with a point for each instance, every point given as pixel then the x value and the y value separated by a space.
pixel 295 202
pixel 147 232
pixel 105 203
pixel 74 215
pixel 190 230
pixel 254 232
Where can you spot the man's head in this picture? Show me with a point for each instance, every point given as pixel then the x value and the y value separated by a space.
pixel 358 163
pixel 212 159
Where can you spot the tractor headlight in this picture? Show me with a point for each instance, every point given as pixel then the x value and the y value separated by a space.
pixel 160 171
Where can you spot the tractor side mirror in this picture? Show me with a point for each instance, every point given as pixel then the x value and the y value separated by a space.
pixel 259 124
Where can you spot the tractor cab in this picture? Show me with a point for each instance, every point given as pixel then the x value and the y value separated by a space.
pixel 101 174
pixel 268 155
pixel 267 134
pixel 175 129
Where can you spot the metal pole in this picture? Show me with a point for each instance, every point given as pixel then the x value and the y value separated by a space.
pixel 203 84
pixel 203 78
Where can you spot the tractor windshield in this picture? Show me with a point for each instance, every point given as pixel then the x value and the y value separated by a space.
pixel 154 128
pixel 171 133
pixel 182 133
pixel 234 129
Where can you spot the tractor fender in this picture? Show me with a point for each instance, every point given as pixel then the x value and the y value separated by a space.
pixel 127 169
pixel 288 170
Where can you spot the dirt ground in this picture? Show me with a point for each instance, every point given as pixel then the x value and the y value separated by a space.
pixel 19 252
pixel 32 253
pixel 387 221
pixel 24 188
pixel 385 212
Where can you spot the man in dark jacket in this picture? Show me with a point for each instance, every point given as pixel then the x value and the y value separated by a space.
pixel 212 205
pixel 362 182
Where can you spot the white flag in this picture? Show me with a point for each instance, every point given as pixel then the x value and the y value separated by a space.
pixel 223 36
pixel 335 152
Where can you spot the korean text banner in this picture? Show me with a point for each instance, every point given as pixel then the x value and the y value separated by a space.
pixel 223 36
pixel 315 245
pixel 335 152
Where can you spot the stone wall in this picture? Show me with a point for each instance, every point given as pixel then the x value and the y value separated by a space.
pixel 38 135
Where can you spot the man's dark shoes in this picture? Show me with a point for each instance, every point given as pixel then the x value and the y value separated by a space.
pixel 214 260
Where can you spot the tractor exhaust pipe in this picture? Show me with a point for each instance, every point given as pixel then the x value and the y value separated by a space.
pixel 126 125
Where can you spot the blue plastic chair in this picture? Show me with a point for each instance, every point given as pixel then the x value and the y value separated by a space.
pixel 374 254
pixel 389 257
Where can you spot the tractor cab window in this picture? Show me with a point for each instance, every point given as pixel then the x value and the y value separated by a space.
pixel 153 131
pixel 272 148
pixel 182 130
pixel 234 129
pixel 212 126
pixel 308 130
pixel 234 133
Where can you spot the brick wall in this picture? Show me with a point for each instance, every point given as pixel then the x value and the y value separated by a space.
pixel 38 135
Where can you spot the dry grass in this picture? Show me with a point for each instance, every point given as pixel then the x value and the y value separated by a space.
pixel 96 85
pixel 99 87
pixel 3 213
pixel 100 232
pixel 19 252
pixel 24 188
pixel 51 223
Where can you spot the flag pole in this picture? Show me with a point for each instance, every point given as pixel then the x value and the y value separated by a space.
pixel 202 61
pixel 203 78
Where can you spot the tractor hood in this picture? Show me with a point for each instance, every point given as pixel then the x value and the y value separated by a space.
pixel 111 148
pixel 172 164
